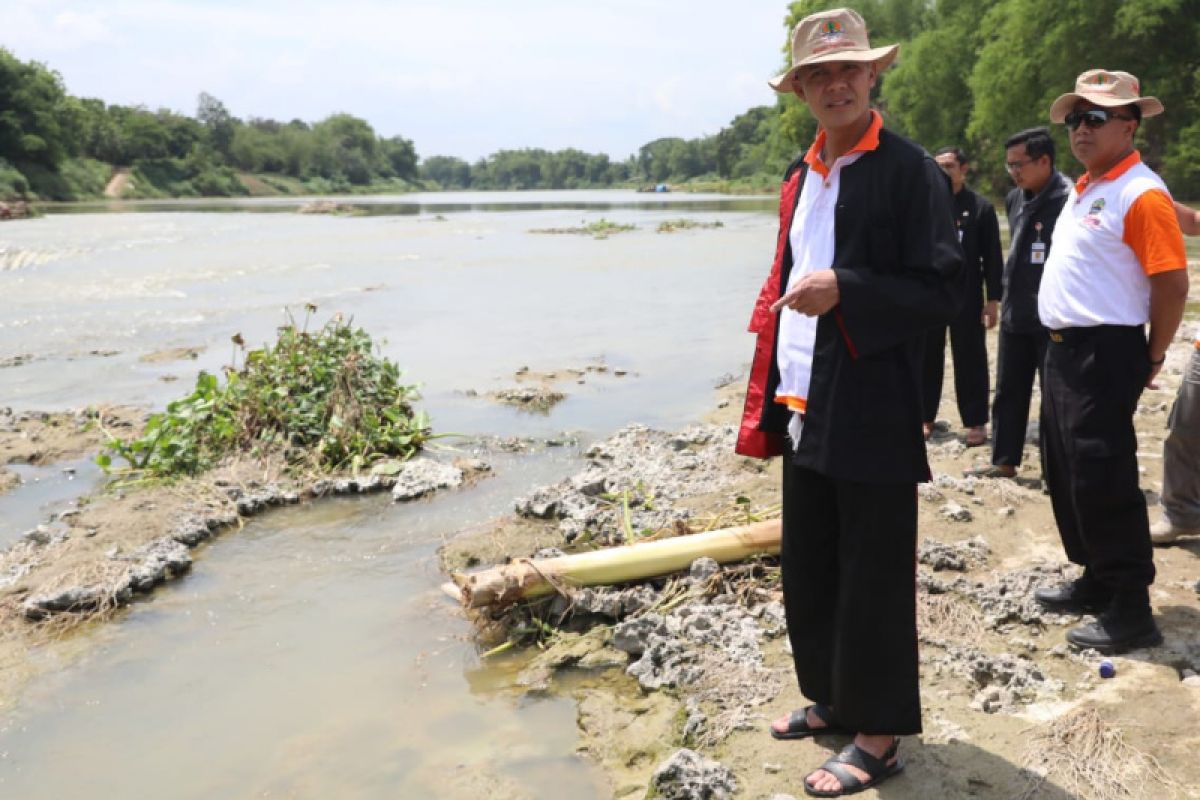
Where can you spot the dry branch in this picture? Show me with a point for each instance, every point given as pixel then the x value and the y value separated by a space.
pixel 527 578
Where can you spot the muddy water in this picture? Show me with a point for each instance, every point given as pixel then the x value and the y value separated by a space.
pixel 309 654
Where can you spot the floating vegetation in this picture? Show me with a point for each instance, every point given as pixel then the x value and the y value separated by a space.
pixel 672 225
pixel 600 229
pixel 331 207
pixel 325 400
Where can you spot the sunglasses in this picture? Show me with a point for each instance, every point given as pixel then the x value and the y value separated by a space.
pixel 1093 118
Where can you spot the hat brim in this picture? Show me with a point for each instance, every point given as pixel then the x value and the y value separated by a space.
pixel 1150 106
pixel 881 57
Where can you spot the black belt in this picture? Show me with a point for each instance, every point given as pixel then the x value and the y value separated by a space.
pixel 1068 335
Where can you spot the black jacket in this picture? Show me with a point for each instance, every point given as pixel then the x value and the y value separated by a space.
pixel 898 263
pixel 1022 278
pixel 979 233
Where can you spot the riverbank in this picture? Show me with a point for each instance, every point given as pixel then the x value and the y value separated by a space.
pixel 677 679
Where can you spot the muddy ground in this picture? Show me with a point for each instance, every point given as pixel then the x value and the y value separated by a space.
pixel 677 679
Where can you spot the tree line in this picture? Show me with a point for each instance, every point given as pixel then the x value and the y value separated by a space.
pixel 970 73
pixel 60 147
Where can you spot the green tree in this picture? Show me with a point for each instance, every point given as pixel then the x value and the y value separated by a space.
pixel 32 108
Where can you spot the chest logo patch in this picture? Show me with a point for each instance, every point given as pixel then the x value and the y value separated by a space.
pixel 1092 218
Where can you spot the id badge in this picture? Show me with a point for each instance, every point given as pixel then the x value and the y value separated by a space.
pixel 1037 254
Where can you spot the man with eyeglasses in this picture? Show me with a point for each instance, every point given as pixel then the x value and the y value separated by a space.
pixel 1118 263
pixel 1033 207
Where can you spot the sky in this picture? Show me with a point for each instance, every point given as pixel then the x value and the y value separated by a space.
pixel 458 77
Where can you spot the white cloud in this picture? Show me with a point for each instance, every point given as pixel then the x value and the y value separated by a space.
pixel 458 76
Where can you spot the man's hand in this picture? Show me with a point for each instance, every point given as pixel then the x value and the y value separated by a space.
pixel 991 314
pixel 813 295
pixel 1154 370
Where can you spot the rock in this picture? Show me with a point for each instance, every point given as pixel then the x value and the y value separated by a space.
pixel 953 511
pixel 772 769
pixel 613 603
pixel 421 476
pixel 772 619
pixel 191 531
pixel 958 557
pixel 473 466
pixel 549 552
pixel 530 398
pixel 671 648
pixel 929 493
pixel 69 599
pixel 1192 682
pixel 640 472
pixel 633 636
pixel 1006 511
pixel 158 561
pixel 605 658
pixel 703 568
pixel 41 535
pixel 687 775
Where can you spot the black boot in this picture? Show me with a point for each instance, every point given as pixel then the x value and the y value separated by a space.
pixel 1082 596
pixel 1127 625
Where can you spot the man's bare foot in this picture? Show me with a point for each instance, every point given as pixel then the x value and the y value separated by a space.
pixel 824 781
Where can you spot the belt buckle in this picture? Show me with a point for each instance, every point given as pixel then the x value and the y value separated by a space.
pixel 1055 336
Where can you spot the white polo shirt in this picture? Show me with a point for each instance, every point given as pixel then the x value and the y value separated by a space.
pixel 1113 233
pixel 811 237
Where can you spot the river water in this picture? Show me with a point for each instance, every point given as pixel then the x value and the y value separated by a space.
pixel 310 654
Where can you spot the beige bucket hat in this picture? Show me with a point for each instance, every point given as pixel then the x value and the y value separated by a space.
pixel 836 35
pixel 1107 89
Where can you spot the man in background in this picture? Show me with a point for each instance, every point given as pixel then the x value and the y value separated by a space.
pixel 1033 207
pixel 1181 450
pixel 1118 263
pixel 979 234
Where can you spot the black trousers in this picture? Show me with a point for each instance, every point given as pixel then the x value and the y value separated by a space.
pixel 1093 378
pixel 1020 357
pixel 849 589
pixel 969 351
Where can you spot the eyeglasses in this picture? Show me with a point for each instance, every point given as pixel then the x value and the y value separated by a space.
pixel 1093 118
pixel 1017 166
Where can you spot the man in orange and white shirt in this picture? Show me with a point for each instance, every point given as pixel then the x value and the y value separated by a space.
pixel 1117 264
pixel 1181 450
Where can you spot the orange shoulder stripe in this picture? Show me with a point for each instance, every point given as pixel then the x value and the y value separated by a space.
pixel 1152 232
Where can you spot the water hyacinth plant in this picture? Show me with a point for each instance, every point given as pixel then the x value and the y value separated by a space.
pixel 325 399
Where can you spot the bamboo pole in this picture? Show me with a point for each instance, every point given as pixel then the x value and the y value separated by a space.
pixel 527 578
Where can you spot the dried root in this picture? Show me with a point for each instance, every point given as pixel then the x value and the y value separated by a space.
pixel 1087 757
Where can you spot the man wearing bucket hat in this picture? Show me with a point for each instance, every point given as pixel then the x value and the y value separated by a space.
pixel 1118 263
pixel 867 259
